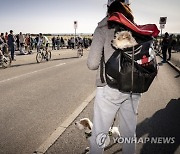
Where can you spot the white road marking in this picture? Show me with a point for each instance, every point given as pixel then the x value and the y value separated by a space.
pixel 16 77
pixel 63 126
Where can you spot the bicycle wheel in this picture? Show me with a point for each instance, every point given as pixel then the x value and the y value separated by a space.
pixel 78 53
pixel 81 52
pixel 48 55
pixel 6 61
pixel 39 57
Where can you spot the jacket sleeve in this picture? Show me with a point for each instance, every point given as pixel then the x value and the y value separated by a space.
pixel 96 49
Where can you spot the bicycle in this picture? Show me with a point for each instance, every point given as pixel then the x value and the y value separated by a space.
pixel 43 54
pixel 80 51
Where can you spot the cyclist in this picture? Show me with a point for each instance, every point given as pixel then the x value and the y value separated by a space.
pixel 43 42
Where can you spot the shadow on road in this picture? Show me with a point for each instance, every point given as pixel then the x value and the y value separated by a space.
pixel 64 58
pixel 18 65
pixel 177 76
pixel 164 123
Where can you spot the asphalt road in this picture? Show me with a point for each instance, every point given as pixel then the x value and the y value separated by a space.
pixel 36 98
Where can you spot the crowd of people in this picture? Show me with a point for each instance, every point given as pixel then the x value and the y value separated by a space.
pixel 168 43
pixel 70 43
pixel 25 43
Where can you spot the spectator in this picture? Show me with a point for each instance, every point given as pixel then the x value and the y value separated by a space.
pixel 6 36
pixel 165 43
pixel 170 45
pixel 31 42
pixel 3 44
pixel 62 42
pixel 11 42
pixel 58 41
pixel 36 40
pixel 3 38
pixel 27 42
pixel 17 42
pixel 69 43
pixel 72 42
pixel 53 43
pixel 21 40
pixel 66 43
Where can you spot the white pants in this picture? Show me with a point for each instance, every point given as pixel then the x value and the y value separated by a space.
pixel 107 103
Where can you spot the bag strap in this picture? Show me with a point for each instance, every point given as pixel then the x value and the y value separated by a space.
pixel 102 62
pixel 132 73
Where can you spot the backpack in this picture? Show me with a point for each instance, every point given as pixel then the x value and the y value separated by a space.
pixel 131 70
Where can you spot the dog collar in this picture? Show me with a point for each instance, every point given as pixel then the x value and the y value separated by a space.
pixel 88 134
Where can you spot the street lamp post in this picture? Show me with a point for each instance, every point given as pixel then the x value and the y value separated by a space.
pixel 162 23
pixel 75 27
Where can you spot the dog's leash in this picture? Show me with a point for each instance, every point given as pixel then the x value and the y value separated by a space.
pixel 132 84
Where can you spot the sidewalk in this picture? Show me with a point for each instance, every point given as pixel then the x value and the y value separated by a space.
pixel 175 60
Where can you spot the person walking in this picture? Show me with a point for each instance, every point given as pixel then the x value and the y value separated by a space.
pixel 21 40
pixel 17 42
pixel 11 42
pixel 110 102
pixel 53 43
pixel 165 43
pixel 170 45
pixel 58 42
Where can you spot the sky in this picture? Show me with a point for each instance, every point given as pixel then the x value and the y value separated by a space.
pixel 58 16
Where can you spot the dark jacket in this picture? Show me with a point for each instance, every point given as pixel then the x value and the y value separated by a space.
pixel 11 40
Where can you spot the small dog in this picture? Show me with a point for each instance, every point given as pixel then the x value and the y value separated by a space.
pixel 123 39
pixel 86 125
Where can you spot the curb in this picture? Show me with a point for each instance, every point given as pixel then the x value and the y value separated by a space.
pixel 171 64
pixel 174 66
pixel 59 131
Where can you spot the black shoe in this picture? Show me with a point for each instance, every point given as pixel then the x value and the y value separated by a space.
pixel 163 61
pixel 168 59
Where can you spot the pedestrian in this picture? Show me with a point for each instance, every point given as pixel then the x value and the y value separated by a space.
pixel 110 102
pixel 11 44
pixel 6 36
pixel 58 42
pixel 69 44
pixel 72 42
pixel 53 43
pixel 3 38
pixel 170 46
pixel 31 43
pixel 62 42
pixel 17 42
pixel 21 41
pixel 3 44
pixel 27 43
pixel 36 40
pixel 165 43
